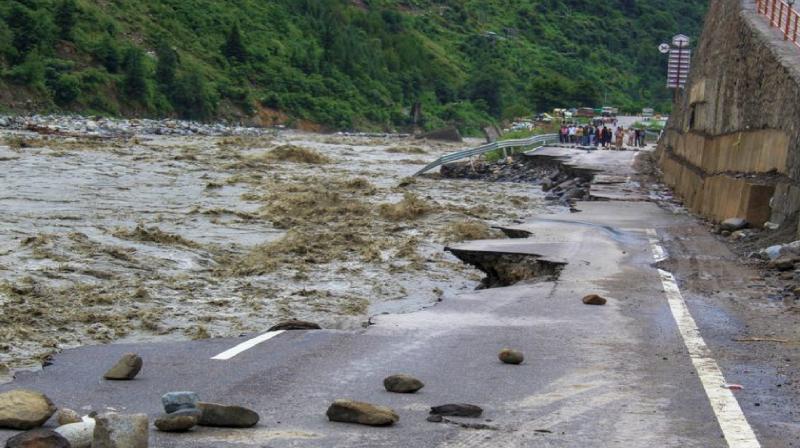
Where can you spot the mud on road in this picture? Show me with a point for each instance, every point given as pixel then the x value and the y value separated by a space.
pixel 150 237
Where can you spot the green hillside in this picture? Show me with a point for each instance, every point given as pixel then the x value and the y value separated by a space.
pixel 342 64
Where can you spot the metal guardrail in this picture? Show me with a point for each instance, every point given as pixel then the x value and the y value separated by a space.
pixel 539 140
pixel 781 14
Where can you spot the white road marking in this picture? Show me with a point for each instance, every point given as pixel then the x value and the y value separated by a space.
pixel 659 254
pixel 246 345
pixel 732 421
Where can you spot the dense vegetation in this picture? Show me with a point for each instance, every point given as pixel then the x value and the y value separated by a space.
pixel 340 63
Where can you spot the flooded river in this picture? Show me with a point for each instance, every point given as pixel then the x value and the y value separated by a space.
pixel 152 237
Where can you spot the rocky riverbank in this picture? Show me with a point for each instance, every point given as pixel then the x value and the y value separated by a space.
pixel 560 185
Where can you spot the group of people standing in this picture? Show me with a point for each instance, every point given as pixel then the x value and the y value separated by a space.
pixel 601 136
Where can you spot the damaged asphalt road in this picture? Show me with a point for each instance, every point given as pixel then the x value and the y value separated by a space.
pixel 614 375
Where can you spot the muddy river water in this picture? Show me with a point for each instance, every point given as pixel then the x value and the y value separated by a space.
pixel 157 237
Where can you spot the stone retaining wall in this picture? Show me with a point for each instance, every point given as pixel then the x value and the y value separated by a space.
pixel 732 146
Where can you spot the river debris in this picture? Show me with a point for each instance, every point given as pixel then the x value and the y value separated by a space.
pixel 469 230
pixel 297 154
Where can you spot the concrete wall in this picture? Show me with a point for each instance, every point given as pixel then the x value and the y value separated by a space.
pixel 732 146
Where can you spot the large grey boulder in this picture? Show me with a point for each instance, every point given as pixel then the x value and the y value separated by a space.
pixel 176 401
pixel 24 409
pixel 120 431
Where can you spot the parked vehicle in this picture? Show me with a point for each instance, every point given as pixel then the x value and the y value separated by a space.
pixel 610 111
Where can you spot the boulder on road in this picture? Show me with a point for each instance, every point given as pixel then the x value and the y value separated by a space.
pixel 594 299
pixel 349 411
pixel 784 262
pixel 510 356
pixel 178 421
pixel 24 409
pixel 295 325
pixel 126 368
pixel 120 431
pixel 226 416
pixel 79 434
pixel 457 410
pixel 175 401
pixel 38 438
pixel 733 224
pixel 66 416
pixel 402 384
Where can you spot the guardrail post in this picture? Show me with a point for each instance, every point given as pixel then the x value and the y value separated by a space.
pixel 772 16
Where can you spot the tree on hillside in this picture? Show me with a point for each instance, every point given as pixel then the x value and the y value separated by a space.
pixel 108 54
pixel 135 81
pixel 234 49
pixel 29 29
pixel 167 64
pixel 193 97
pixel 487 87
pixel 66 18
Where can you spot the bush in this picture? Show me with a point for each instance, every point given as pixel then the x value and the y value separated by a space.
pixel 66 89
pixel 66 17
pixel 108 54
pixel 30 72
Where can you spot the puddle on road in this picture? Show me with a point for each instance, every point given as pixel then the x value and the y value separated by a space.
pixel 158 237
